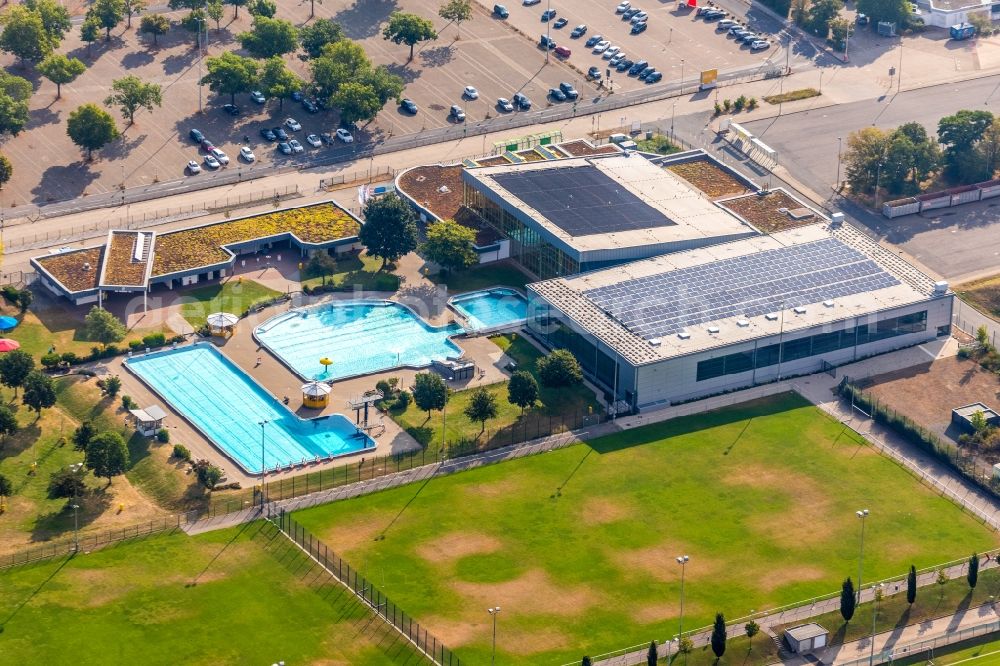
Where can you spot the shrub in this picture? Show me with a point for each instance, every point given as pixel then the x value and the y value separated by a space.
pixel 384 386
pixel 154 340
pixel 182 452
pixel 51 361
pixel 111 350
pixel 163 435
pixel 128 402
pixel 69 358
pixel 403 400
pixel 740 103
pixel 208 474
pixel 718 109
pixel 112 385
pixel 10 293
pixel 752 103
pixel 559 368
pixel 964 352
pixel 726 105
pixel 135 345
pixel 66 483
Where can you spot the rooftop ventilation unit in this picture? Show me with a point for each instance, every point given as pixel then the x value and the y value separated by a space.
pixel 941 287
pixel 828 304
pixel 799 310
pixel 836 220
pixel 742 323
pixel 713 329
pixel 771 317
pixel 655 342
pixel 684 335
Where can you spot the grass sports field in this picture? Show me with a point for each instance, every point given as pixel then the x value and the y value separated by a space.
pixel 239 596
pixel 577 546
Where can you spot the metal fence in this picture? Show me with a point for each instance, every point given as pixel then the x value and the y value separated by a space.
pixel 925 647
pixel 409 628
pixel 89 541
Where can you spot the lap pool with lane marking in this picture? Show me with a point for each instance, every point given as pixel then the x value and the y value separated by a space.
pixel 227 406
pixel 360 337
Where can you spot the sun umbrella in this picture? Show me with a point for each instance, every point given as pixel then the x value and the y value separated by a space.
pixel 6 345
pixel 222 319
pixel 326 363
pixel 7 323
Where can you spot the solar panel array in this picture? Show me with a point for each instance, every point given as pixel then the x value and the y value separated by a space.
pixel 751 285
pixel 582 201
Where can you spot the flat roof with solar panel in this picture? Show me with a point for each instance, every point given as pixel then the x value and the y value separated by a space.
pixel 603 207
pixel 677 304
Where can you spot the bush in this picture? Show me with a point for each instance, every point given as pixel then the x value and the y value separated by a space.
pixel 69 358
pixel 403 400
pixel 752 103
pixel 51 361
pixel 163 435
pixel 384 386
pixel 67 483
pixel 726 105
pixel 128 402
pixel 182 452
pixel 718 109
pixel 740 103
pixel 112 385
pixel 208 474
pixel 154 340
pixel 559 368
pixel 111 350
pixel 135 345
pixel 10 293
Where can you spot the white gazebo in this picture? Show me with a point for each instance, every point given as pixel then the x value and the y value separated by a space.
pixel 148 421
pixel 222 324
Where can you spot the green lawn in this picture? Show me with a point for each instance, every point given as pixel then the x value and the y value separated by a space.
pixel 239 596
pixel 982 651
pixel 358 272
pixel 234 295
pixel 658 144
pixel 566 406
pixel 483 276
pixel 578 545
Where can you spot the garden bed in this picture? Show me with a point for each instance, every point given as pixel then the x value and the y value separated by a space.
pixel 708 177
pixel 423 184
pixel 119 267
pixel 497 160
pixel 530 156
pixel 77 270
pixel 764 211
pixel 581 148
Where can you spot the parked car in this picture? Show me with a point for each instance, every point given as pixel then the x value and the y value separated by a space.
pixel 219 155
pixel 285 148
pixel 310 106
pixel 344 136
pixel 736 28
pixel 521 101
pixel 594 73
pixel 646 72
pixel 504 105
pixel 546 42
pixel 725 24
pixel 196 135
pixel 610 52
pixel 296 146
pixel 593 41
pixel 457 113
pixel 211 162
pixel 292 124
pixel 470 93
pixel 578 31
pixel 624 65
pixel 601 46
pixel 280 133
pixel 759 45
pixel 568 90
pixel 714 15
pixel 654 77
pixel 268 134
pixel 207 146
pixel 639 27
pixel 557 95
pixel 629 13
pixel 861 19
pixel 623 7
pixel 326 138
pixel 548 15
pixel 501 11
pixel 640 17
pixel 617 59
pixel 637 67
pixel 528 3
pixel 563 52
pixel 560 23
pixel 313 141
pixel 231 109
pixel 247 154
pixel 298 96
pixel 193 167
pixel 408 105
pixel 258 97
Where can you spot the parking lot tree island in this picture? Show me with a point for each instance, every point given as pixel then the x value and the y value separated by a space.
pixel 270 37
pixel 229 74
pixel 130 93
pixel 24 35
pixel 409 29
pixel 456 11
pixel 278 82
pixel 91 128
pixel 155 25
pixel 60 69
pixel 319 33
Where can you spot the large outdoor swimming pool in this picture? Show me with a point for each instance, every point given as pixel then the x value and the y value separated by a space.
pixel 492 309
pixel 227 406
pixel 359 337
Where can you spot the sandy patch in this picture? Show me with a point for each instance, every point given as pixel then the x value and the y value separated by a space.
pixel 517 641
pixel 360 532
pixel 531 593
pixel 660 562
pixel 542 639
pixel 458 544
pixel 772 578
pixel 653 613
pixel 454 633
pixel 502 488
pixel 603 510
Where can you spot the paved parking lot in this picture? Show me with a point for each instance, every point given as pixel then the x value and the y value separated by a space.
pixel 677 42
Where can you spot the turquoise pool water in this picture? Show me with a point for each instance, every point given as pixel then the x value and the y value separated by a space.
pixel 360 337
pixel 492 308
pixel 227 406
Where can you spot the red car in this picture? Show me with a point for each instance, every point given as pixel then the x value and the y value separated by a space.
pixel 562 52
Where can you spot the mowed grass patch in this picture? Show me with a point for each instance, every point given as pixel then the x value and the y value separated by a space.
pixel 578 545
pixel 239 596
pixel 234 295
pixel 356 271
pixel 482 276
pixel 982 294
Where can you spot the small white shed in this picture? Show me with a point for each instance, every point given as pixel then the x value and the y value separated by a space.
pixel 806 638
pixel 148 421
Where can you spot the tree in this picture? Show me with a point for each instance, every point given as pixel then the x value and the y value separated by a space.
pixel 318 34
pixel 262 8
pixel 130 93
pixel 55 18
pixel 718 639
pixel 986 152
pixel 942 580
pixel 895 11
pixel 522 390
pixel 338 63
pixel 82 435
pixel 109 13
pixel 107 455
pixel 559 368
pixel 59 69
pixel 5 491
pixel 482 407
pixel 848 600
pixel 456 11
pixel 840 30
pixel 820 13
pixel 450 245
pixel 215 11
pixel 112 385
pixel 155 25
pixel 429 392
pixel 277 81
pixel 6 172
pixel 236 6
pixel 385 84
pixel 751 629
pixel 390 228
pixel 24 296
pixel 102 326
pixel 586 662
pixel 90 30
pixel 91 127
pixel 133 8
pixel 982 22
pixel 39 391
pixel 356 102
pixel 408 29
pixel 230 74
pixel 866 149
pixel 270 37
pixel 14 95
pixel 321 264
pixel 652 656
pixel 208 475
pixel 911 156
pixel 15 366
pixel 972 575
pixel 958 133
pixel 24 35
pixel 911 585
pixel 8 422
pixel 197 22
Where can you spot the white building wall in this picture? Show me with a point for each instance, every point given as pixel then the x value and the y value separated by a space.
pixel 676 380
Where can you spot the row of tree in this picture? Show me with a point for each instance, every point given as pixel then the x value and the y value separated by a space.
pixel 904 160
pixel 17 371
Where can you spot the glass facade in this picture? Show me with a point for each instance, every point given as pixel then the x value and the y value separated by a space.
pixel 557 334
pixel 527 247
pixel 812 345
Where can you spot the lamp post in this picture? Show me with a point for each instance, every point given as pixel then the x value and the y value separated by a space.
pixel 682 76
pixel 861 514
pixel 76 530
pixel 681 560
pixel 840 145
pixel 199 65
pixel 548 26
pixel 876 595
pixel 494 612
pixel 673 108
pixel 262 424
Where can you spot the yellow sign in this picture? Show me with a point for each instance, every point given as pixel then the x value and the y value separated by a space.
pixel 709 76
